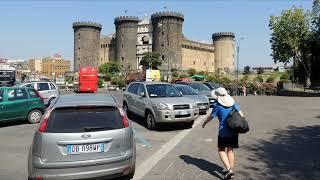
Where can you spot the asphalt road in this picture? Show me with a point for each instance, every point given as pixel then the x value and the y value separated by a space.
pixel 282 144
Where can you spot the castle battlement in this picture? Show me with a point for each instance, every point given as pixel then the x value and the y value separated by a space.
pixel 87 23
pixel 167 14
pixel 126 18
pixel 222 34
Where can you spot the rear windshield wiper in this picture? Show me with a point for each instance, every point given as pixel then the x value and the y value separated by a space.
pixel 89 129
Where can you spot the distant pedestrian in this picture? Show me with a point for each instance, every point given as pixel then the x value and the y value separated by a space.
pixel 244 90
pixel 227 139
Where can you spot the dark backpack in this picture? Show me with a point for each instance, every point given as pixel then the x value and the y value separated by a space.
pixel 237 123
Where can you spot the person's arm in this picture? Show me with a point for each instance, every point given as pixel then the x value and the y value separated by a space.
pixel 237 107
pixel 206 121
pixel 212 116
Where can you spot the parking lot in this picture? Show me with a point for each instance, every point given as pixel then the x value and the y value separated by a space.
pixel 282 144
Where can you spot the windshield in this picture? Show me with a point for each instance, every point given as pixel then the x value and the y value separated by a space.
pixel 187 90
pixel 162 90
pixel 199 87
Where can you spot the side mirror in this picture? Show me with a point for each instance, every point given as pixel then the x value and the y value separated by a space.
pixel 180 92
pixel 142 94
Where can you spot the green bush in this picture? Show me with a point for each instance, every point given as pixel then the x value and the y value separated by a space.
pixel 191 71
pixel 100 83
pixel 118 81
pixel 285 77
pixel 175 74
pixel 108 77
pixel 270 79
pixel 183 76
pixel 259 79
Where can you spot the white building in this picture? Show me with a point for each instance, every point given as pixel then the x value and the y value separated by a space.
pixel 144 38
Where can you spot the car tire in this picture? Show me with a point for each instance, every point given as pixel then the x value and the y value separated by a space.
pixel 189 124
pixel 126 109
pixel 34 116
pixel 151 123
pixel 129 176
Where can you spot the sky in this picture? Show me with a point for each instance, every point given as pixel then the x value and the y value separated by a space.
pixel 34 29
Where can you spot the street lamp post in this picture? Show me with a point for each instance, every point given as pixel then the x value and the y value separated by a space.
pixel 237 72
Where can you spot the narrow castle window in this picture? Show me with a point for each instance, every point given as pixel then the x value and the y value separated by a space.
pixel 162 45
pixel 194 62
pixel 122 58
pixel 162 57
pixel 122 45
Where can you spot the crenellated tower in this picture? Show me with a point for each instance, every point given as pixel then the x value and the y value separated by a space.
pixel 86 44
pixel 126 42
pixel 167 38
pixel 224 51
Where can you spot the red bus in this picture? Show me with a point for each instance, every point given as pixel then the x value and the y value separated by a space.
pixel 86 80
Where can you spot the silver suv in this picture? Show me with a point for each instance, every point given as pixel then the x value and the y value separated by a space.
pixel 48 90
pixel 159 103
pixel 83 137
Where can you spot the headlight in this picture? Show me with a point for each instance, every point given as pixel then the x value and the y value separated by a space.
pixel 194 105
pixel 163 106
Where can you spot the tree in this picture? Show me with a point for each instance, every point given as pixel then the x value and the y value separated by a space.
pixel 111 67
pixel 151 60
pixel 246 70
pixel 270 79
pixel 289 37
pixel 192 71
pixel 259 79
pixel 315 44
pixel 260 70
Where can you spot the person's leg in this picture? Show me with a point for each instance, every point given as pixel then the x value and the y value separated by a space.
pixel 224 157
pixel 230 155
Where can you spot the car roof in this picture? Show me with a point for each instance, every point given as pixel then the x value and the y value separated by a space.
pixel 14 87
pixel 85 100
pixel 180 85
pixel 149 82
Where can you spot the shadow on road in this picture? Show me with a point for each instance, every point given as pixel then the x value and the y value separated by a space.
pixel 161 127
pixel 12 123
pixel 318 116
pixel 204 165
pixel 291 154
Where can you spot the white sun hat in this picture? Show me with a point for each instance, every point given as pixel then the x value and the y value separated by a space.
pixel 222 96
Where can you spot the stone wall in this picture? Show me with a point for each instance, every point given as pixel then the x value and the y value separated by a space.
pixel 197 55
pixel 107 50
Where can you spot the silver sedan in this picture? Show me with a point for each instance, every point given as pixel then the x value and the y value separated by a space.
pixel 201 100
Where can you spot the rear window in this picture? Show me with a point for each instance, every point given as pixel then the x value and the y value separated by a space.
pixel 74 120
pixel 43 87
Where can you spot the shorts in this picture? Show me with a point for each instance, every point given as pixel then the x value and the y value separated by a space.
pixel 224 142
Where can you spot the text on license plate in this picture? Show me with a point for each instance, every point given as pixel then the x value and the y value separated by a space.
pixel 85 148
pixel 182 112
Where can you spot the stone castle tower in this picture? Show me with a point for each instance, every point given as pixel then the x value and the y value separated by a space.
pixel 223 43
pixel 86 44
pixel 126 41
pixel 167 38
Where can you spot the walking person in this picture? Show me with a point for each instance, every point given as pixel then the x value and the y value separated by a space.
pixel 227 139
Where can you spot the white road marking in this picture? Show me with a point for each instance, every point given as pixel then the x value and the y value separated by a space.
pixel 209 140
pixel 148 164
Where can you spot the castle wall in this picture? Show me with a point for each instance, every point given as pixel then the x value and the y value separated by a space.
pixel 107 50
pixel 197 55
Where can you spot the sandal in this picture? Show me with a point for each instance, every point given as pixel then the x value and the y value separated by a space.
pixel 229 174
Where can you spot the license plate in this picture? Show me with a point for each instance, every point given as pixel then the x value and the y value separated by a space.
pixel 202 107
pixel 85 148
pixel 212 101
pixel 182 112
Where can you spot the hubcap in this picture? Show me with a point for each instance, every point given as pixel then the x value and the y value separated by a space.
pixel 149 119
pixel 35 117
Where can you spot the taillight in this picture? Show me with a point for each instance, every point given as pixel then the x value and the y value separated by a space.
pixel 44 122
pixel 124 118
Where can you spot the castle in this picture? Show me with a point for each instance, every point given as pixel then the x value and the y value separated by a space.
pixel 162 34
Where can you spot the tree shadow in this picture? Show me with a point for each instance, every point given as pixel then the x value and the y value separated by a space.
pixel 318 116
pixel 291 154
pixel 204 165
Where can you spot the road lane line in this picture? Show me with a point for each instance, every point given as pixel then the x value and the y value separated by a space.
pixel 148 164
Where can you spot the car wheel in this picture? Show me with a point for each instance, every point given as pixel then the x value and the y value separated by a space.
pixel 34 116
pixel 151 123
pixel 126 109
pixel 189 124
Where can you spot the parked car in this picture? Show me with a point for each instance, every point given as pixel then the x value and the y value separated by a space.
pixel 83 137
pixel 48 90
pixel 201 100
pixel 200 88
pixel 20 104
pixel 212 85
pixel 159 103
